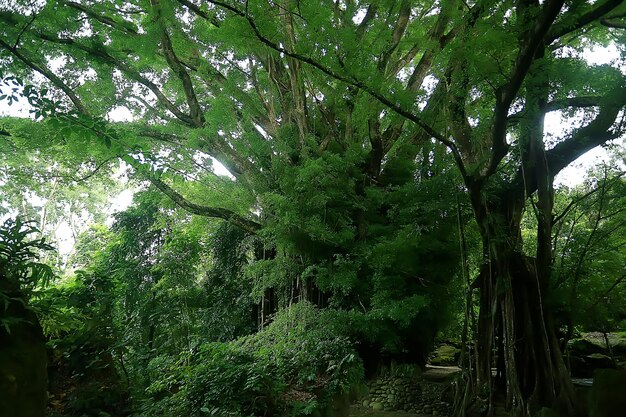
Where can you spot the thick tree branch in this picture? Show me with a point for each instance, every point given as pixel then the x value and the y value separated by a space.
pixel 570 23
pixel 356 83
pixel 350 81
pixel 217 212
pixel 196 113
pixel 596 133
pixel 405 59
pixel 586 138
pixel 369 16
pixel 396 36
pixel 560 104
pixel 613 23
pixel 507 92
pixel 437 37
pixel 298 106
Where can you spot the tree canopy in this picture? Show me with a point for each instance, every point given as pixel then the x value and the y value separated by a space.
pixel 358 136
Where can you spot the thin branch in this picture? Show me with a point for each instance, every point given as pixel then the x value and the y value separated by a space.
pixel 56 81
pixel 577 200
pixel 198 11
pixel 26 26
pixel 90 174
pixel 608 291
pixel 101 54
pixel 126 28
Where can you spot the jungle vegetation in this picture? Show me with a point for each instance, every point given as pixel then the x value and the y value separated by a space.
pixel 323 188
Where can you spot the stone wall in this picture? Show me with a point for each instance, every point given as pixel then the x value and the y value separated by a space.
pixel 407 394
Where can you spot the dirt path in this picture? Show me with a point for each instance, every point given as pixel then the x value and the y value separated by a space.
pixel 439 373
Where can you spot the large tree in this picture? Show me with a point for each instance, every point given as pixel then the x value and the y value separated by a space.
pixel 321 108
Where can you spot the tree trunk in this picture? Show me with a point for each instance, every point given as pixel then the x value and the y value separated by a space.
pixel 23 361
pixel 514 320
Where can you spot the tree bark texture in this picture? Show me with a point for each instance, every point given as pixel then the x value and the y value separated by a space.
pixel 514 321
pixel 23 361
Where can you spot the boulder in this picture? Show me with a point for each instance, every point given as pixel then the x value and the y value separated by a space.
pixel 590 353
pixel 588 344
pixel 618 343
pixel 376 406
pixel 599 361
pixel 579 368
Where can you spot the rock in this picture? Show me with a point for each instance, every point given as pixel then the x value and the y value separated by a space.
pixel 366 403
pixel 599 361
pixel 377 406
pixel 618 344
pixel 579 367
pixel 586 345
pixel 435 413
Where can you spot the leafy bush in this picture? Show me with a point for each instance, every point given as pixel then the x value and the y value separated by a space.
pixel 20 272
pixel 295 366
pixel 303 343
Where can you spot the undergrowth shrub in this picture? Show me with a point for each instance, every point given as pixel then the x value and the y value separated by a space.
pixel 295 366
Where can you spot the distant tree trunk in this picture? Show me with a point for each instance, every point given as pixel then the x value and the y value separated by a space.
pixel 23 361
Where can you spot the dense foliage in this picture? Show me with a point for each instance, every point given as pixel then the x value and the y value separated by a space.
pixel 363 173
pixel 295 366
pixel 22 342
